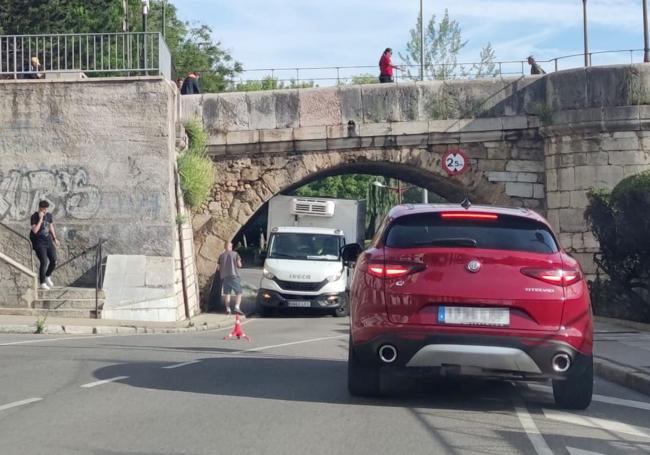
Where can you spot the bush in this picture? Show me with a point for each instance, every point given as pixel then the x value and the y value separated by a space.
pixel 195 168
pixel 621 223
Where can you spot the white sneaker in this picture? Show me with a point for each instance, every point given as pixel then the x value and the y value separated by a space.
pixel 48 280
pixel 45 286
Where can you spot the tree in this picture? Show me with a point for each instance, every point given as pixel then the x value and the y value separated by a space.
pixel 192 47
pixel 442 44
pixel 365 78
pixel 270 83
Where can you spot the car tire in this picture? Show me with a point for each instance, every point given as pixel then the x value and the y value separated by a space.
pixel 576 391
pixel 363 380
pixel 342 311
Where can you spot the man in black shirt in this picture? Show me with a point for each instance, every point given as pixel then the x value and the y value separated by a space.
pixel 534 66
pixel 43 237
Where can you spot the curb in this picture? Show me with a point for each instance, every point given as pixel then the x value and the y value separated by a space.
pixel 624 323
pixel 106 330
pixel 622 375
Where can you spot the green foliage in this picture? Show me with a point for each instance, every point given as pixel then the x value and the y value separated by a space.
pixel 181 219
pixel 365 78
pixel 270 83
pixel 191 46
pixel 442 44
pixel 196 170
pixel 40 324
pixel 350 186
pixel 621 223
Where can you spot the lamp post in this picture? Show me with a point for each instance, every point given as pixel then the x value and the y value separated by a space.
pixel 145 13
pixel 421 40
pixel 399 189
pixel 646 45
pixel 164 18
pixel 584 30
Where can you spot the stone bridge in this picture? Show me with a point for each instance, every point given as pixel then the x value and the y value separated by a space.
pixel 538 142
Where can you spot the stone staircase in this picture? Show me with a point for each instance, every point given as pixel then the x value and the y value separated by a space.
pixel 63 302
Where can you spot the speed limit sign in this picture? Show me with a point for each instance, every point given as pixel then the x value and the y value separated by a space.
pixel 455 162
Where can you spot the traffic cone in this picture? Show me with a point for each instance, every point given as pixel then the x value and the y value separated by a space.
pixel 237 331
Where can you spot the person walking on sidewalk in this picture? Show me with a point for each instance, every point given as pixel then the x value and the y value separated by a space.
pixel 43 237
pixel 228 266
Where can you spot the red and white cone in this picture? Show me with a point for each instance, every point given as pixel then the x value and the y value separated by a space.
pixel 237 331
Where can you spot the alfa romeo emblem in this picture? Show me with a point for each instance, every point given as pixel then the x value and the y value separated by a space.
pixel 474 266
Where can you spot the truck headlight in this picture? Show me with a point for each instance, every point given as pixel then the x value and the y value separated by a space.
pixel 334 277
pixel 268 275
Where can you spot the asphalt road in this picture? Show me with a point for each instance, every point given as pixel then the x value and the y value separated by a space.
pixel 282 393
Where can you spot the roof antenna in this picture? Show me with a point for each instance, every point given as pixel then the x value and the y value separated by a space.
pixel 466 204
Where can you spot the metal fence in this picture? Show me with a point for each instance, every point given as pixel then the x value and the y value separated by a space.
pixel 270 78
pixel 92 54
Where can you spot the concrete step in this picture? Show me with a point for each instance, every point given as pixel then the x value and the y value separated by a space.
pixel 69 293
pixel 67 313
pixel 68 304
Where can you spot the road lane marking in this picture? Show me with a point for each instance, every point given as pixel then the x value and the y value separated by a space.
pixel 535 437
pixel 611 426
pixel 574 451
pixel 51 339
pixel 600 398
pixel 311 340
pixel 15 404
pixel 179 365
pixel 103 381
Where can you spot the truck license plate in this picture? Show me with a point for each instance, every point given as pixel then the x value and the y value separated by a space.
pixel 299 303
pixel 473 316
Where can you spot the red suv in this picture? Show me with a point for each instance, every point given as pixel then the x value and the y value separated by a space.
pixel 472 291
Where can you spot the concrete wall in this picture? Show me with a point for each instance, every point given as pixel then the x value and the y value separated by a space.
pixel 103 153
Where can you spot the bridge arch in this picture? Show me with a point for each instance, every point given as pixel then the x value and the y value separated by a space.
pixel 244 185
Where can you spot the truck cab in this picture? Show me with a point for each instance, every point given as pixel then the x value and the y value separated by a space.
pixel 304 269
pixel 303 266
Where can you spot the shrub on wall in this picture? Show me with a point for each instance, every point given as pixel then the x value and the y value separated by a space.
pixel 195 168
pixel 620 220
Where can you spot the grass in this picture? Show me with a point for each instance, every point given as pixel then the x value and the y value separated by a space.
pixel 195 168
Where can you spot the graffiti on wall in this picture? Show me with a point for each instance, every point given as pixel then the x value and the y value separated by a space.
pixel 67 190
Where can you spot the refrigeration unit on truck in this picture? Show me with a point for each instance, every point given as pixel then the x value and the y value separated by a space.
pixel 303 267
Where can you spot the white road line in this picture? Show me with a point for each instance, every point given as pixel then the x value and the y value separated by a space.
pixel 593 422
pixel 15 404
pixel 104 381
pixel 574 451
pixel 311 340
pixel 179 365
pixel 536 438
pixel 600 398
pixel 52 339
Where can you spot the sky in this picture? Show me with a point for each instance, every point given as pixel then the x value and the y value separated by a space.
pixel 318 33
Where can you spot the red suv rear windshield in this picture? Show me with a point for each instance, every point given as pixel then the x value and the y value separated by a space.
pixel 429 230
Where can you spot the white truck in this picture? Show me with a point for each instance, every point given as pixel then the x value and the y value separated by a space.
pixel 303 267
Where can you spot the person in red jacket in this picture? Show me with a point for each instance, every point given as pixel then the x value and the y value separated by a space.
pixel 386 66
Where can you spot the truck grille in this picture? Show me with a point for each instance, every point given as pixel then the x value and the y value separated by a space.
pixel 296 286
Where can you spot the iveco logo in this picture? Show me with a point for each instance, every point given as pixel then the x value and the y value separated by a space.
pixel 300 276
pixel 474 266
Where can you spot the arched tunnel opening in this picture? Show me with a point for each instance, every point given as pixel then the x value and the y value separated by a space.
pixel 397 182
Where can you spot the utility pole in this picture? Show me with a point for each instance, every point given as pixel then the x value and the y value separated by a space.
pixel 145 13
pixel 646 45
pixel 125 18
pixel 164 18
pixel 421 40
pixel 584 28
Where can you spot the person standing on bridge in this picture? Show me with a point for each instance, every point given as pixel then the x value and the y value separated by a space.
pixel 534 66
pixel 228 266
pixel 43 237
pixel 386 66
pixel 191 84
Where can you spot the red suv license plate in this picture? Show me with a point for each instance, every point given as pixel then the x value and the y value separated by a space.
pixel 473 316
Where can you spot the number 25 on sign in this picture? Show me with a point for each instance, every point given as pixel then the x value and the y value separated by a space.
pixel 455 162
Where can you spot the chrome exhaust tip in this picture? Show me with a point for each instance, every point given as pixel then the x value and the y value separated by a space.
pixel 388 353
pixel 561 362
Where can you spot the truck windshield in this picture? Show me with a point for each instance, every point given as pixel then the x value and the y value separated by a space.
pixel 311 247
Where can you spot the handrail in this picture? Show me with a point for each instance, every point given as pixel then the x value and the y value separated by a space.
pixel 28 270
pixel 296 74
pixel 98 274
pixel 22 238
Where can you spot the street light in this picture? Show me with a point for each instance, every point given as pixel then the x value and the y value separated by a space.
pixel 399 189
pixel 584 30
pixel 145 13
pixel 421 41
pixel 164 18
pixel 646 46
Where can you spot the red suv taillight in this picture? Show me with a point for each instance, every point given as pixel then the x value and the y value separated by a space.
pixel 393 270
pixel 558 277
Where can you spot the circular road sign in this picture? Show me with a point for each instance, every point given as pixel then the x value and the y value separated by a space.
pixel 455 162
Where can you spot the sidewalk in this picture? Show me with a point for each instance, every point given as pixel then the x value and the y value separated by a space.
pixel 623 353
pixel 80 326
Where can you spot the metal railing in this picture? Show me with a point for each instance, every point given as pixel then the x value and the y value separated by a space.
pixel 339 75
pixel 17 246
pixel 93 54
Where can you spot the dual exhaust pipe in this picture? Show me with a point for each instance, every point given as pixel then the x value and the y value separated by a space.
pixel 561 361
